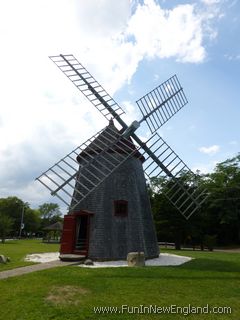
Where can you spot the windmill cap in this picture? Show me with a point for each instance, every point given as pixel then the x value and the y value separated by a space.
pixel 124 146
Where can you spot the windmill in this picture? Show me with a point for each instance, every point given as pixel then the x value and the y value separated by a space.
pixel 102 181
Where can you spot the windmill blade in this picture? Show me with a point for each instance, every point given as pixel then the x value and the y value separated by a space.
pixel 162 161
pixel 86 83
pixel 160 104
pixel 80 172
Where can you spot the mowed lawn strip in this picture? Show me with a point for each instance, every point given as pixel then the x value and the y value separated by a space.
pixel 212 278
pixel 17 250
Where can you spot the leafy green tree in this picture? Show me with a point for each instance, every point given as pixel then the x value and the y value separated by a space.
pixel 49 213
pixel 32 221
pixel 170 224
pixel 223 210
pixel 13 207
pixel 218 220
pixel 5 226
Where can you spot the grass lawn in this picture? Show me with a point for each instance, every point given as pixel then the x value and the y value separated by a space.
pixel 70 293
pixel 16 250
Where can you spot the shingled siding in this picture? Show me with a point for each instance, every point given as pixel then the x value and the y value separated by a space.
pixel 112 237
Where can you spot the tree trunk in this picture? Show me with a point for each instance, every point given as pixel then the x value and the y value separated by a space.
pixel 178 240
pixel 177 246
pixel 239 234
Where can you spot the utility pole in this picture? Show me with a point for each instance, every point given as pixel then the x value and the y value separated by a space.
pixel 21 223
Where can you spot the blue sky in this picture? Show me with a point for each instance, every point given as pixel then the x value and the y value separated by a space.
pixel 130 47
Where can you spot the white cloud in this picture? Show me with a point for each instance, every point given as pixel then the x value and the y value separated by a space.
pixel 210 150
pixel 178 33
pixel 210 2
pixel 102 18
pixel 174 33
pixel 203 168
pixel 42 115
pixel 232 57
pixel 132 113
pixel 115 44
pixel 233 143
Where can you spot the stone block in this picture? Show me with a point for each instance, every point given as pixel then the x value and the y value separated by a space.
pixel 88 262
pixel 3 259
pixel 136 259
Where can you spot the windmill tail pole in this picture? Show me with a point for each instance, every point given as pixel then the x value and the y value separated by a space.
pixel 131 129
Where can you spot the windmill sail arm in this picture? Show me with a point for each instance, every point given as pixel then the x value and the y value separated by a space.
pixel 88 85
pixel 162 161
pixel 91 88
pixel 79 173
pixel 155 109
pixel 60 177
pixel 63 184
pixel 151 154
pixel 162 103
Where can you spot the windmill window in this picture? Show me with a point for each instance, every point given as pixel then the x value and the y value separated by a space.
pixel 120 208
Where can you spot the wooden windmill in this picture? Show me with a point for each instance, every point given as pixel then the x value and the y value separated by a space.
pixel 102 181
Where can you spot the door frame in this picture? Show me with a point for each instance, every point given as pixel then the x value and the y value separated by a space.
pixel 68 239
pixel 78 215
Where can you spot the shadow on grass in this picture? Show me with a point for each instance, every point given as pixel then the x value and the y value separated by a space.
pixel 211 265
pixel 6 243
pixel 202 269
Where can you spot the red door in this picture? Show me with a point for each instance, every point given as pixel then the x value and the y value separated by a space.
pixel 75 235
pixel 68 234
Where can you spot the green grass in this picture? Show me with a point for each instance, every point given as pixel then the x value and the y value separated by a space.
pixel 16 250
pixel 70 293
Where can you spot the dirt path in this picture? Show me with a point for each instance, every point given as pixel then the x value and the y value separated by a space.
pixel 36 267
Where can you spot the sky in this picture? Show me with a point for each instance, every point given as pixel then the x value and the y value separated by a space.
pixel 130 47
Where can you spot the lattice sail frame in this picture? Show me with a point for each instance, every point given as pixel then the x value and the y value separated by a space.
pixel 187 199
pixel 66 180
pixel 88 85
pixel 81 167
pixel 162 103
pixel 61 179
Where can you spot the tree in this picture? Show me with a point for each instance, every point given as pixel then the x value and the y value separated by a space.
pixel 12 207
pixel 223 210
pixel 5 226
pixel 32 221
pixel 50 213
pixel 219 217
pixel 170 224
